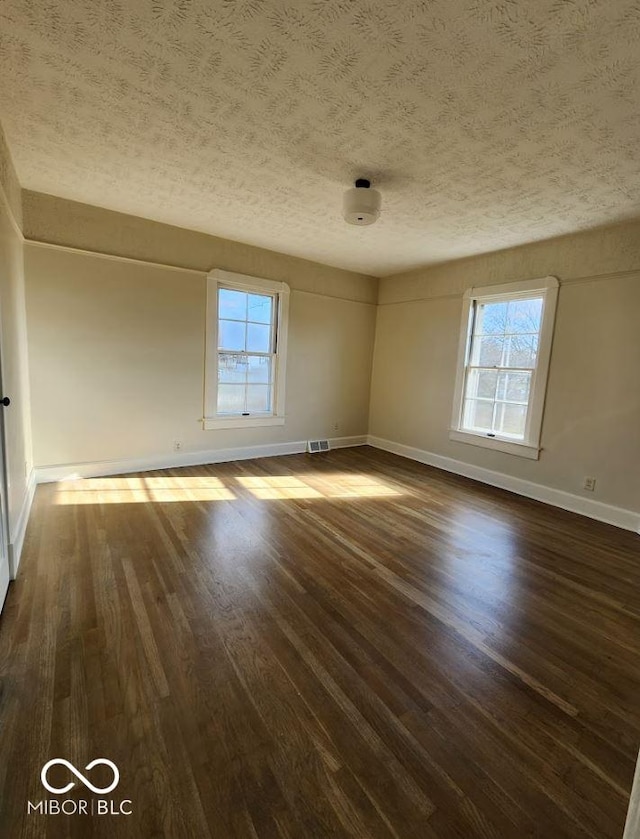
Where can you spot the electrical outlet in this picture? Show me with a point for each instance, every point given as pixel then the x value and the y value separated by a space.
pixel 589 484
pixel 336 426
pixel 177 446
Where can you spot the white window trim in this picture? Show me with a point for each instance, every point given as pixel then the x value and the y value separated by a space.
pixel 243 282
pixel 530 446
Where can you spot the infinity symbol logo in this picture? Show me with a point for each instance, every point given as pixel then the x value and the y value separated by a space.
pixel 80 776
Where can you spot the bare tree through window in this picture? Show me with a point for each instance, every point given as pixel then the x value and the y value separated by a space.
pixel 502 361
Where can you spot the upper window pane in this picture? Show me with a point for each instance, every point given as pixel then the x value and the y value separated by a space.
pixel 491 319
pixel 232 335
pixel 232 304
pixel 505 334
pixel 245 321
pixel 487 351
pixel 258 337
pixel 522 351
pixel 260 308
pixel 524 316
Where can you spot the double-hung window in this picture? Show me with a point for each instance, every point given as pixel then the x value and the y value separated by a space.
pixel 505 348
pixel 246 351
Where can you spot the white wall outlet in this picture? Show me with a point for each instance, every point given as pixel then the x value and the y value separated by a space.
pixel 177 446
pixel 336 426
pixel 589 484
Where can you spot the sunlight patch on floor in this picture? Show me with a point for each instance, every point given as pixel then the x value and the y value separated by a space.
pixel 278 487
pixel 142 490
pixel 168 489
pixel 316 486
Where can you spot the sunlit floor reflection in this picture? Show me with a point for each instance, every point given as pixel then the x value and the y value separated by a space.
pixel 314 486
pixel 140 490
pixel 495 530
pixel 484 556
pixel 279 487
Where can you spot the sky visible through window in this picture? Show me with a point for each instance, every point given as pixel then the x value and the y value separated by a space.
pixel 501 365
pixel 245 352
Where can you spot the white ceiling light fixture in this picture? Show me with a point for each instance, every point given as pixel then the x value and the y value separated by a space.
pixel 361 203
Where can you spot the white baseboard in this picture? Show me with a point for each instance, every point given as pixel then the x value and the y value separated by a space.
pixel 102 468
pixel 17 538
pixel 632 826
pixel 618 516
pixel 348 442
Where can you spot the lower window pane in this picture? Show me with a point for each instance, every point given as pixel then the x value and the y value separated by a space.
pixel 517 386
pixel 258 369
pixel 478 415
pixel 513 386
pixel 232 368
pixel 231 399
pixel 482 383
pixel 513 420
pixel 258 398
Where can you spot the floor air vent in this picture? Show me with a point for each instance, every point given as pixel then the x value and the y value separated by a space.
pixel 315 446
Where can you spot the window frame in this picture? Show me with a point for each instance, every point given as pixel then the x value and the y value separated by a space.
pixel 216 279
pixel 529 447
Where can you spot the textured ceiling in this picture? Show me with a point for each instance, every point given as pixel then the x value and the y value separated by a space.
pixel 485 123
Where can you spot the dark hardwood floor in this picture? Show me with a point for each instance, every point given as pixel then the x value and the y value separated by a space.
pixel 340 645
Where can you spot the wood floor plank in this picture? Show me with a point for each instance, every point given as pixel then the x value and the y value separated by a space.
pixel 339 645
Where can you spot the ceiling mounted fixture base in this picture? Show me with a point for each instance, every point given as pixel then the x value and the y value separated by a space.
pixel 361 203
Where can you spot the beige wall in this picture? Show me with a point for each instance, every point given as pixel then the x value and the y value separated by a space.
pixel 117 347
pixel 62 222
pixel 592 416
pixel 117 356
pixel 13 347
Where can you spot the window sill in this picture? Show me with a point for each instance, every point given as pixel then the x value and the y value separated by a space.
pixel 495 443
pixel 210 423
